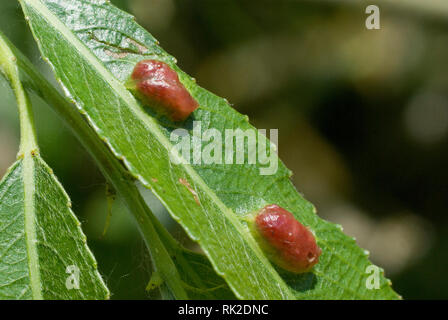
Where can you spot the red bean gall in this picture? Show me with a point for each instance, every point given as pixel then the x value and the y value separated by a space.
pixel 158 86
pixel 286 242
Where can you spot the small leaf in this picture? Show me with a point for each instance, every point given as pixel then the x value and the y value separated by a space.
pixel 43 252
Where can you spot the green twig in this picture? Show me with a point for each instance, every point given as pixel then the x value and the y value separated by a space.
pixel 8 66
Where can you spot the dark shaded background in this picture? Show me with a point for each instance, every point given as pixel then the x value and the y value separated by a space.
pixel 362 118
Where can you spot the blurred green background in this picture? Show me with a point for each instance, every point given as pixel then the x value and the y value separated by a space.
pixel 362 118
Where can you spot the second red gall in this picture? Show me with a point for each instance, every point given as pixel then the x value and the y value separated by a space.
pixel 287 242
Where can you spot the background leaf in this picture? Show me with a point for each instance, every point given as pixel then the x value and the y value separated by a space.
pixel 92 47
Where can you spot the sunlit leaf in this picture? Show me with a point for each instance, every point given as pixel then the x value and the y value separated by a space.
pixel 92 47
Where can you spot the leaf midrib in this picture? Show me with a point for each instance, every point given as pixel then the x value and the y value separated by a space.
pixel 30 228
pixel 151 125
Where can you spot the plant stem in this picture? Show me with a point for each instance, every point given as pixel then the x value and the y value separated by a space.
pixel 8 65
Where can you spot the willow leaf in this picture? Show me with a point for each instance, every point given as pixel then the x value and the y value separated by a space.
pixel 42 248
pixel 92 47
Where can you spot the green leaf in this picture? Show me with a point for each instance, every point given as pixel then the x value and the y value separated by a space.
pixel 42 247
pixel 43 252
pixel 92 47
